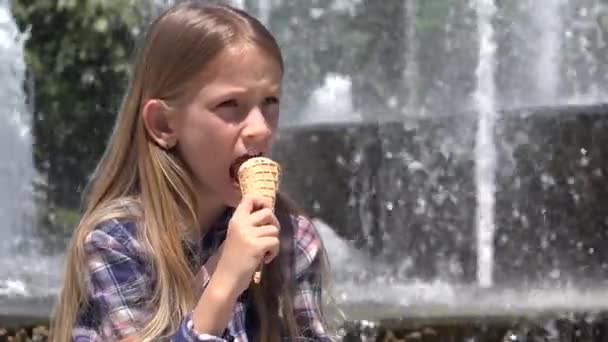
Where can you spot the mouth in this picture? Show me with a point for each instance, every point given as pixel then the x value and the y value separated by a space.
pixel 234 167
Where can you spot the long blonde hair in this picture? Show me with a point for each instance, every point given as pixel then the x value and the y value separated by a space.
pixel 179 44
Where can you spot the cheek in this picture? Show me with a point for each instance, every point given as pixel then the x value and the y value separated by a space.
pixel 206 146
pixel 272 117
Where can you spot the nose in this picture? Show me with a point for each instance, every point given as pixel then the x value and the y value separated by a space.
pixel 257 131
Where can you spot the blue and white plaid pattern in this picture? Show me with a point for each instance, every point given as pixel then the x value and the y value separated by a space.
pixel 120 285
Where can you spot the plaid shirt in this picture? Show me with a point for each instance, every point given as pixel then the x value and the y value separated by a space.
pixel 120 285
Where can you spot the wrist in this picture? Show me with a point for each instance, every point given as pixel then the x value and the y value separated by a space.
pixel 223 288
pixel 214 309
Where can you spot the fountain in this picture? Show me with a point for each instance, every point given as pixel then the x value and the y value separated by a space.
pixel 485 149
pixel 482 200
pixel 460 170
pixel 25 274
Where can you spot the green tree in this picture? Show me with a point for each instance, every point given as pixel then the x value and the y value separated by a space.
pixel 77 54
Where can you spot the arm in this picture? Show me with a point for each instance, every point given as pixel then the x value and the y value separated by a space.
pixel 308 275
pixel 119 288
pixel 251 237
pixel 214 308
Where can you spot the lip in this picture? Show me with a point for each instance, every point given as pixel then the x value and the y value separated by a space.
pixel 236 164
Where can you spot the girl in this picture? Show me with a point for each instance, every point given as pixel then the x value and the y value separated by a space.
pixel 167 248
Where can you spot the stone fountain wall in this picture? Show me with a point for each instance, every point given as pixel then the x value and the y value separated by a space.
pixel 404 191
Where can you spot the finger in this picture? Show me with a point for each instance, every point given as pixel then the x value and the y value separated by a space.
pixel 251 203
pixel 266 231
pixel 245 207
pixel 263 217
pixel 271 246
pixel 262 202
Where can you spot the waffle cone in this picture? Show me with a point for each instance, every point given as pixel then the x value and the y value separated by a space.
pixel 261 176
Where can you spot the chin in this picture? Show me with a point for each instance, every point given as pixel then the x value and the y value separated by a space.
pixel 233 196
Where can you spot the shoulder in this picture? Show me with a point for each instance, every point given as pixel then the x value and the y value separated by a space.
pixel 115 261
pixel 118 276
pixel 305 233
pixel 308 244
pixel 115 236
pixel 117 227
pixel 112 233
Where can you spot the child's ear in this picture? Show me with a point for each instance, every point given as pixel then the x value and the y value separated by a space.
pixel 159 122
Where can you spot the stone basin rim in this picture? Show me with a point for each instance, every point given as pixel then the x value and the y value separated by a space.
pixel 505 113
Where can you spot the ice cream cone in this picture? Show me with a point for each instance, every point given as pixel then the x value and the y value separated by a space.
pixel 260 175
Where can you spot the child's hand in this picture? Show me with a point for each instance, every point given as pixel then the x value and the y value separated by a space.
pixel 253 238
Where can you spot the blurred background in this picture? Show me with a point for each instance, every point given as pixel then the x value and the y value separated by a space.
pixel 456 148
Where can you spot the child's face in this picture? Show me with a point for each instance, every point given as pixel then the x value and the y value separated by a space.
pixel 234 114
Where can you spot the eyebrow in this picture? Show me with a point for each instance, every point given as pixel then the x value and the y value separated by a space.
pixel 242 90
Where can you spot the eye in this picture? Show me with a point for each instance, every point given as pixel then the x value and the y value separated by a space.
pixel 228 104
pixel 271 100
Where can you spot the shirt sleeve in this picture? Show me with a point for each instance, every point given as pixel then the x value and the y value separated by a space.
pixel 119 288
pixel 308 274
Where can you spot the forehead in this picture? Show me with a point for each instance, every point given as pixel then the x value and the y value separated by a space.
pixel 246 65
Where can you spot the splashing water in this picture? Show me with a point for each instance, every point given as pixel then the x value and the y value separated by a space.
pixel 548 21
pixel 331 102
pixel 23 272
pixel 410 73
pixel 485 149
pixel 265 8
